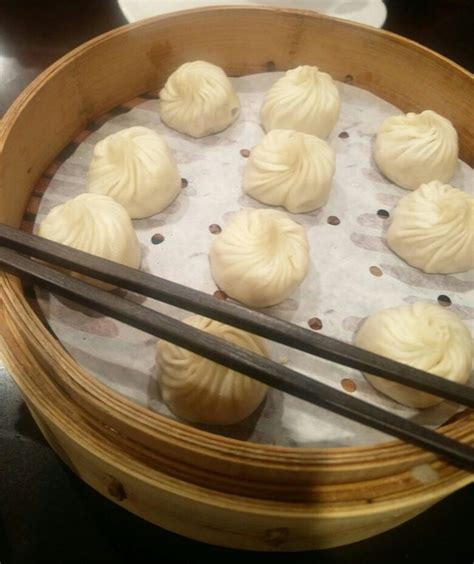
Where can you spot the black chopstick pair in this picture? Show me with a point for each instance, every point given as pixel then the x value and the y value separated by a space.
pixel 13 242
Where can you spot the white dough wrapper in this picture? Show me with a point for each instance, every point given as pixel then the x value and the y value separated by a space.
pixel 290 169
pixel 198 100
pixel 260 257
pixel 97 225
pixel 433 229
pixel 304 99
pixel 423 335
pixel 414 149
pixel 202 391
pixel 137 169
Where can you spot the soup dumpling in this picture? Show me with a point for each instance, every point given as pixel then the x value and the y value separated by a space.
pixel 97 225
pixel 260 257
pixel 136 168
pixel 432 229
pixel 202 391
pixel 198 100
pixel 290 169
pixel 422 335
pixel 414 149
pixel 304 99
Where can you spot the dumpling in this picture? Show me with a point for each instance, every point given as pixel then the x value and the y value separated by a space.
pixel 433 229
pixel 137 169
pixel 198 100
pixel 97 225
pixel 260 257
pixel 423 335
pixel 413 149
pixel 290 169
pixel 202 391
pixel 305 99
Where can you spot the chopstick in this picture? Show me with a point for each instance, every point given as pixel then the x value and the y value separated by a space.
pixel 253 321
pixel 236 358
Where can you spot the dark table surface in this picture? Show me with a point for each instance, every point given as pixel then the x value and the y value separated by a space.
pixel 49 515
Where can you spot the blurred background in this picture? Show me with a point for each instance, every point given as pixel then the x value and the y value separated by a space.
pixel 46 513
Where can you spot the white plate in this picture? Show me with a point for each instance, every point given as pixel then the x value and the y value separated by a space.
pixel 369 12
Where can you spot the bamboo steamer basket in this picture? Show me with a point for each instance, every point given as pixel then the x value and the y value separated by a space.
pixel 207 487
